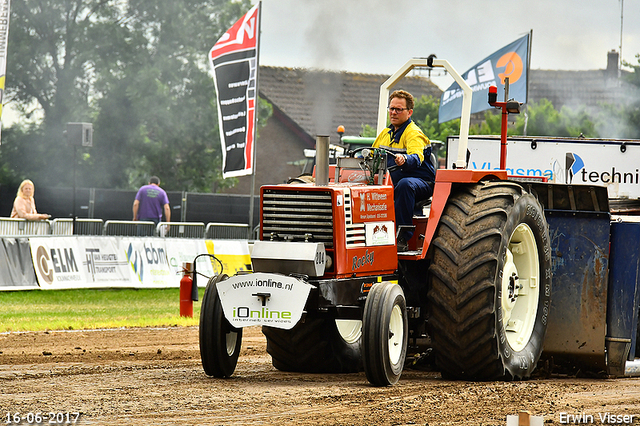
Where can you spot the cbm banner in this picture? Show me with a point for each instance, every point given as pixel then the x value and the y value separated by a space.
pixel 511 61
pixel 234 59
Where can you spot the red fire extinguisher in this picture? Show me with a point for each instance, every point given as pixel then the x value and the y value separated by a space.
pixel 186 283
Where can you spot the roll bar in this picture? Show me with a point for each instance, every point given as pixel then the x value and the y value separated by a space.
pixel 467 94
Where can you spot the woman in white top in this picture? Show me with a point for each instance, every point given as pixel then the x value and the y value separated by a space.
pixel 24 206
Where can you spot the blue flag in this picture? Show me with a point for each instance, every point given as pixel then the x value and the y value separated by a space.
pixel 511 61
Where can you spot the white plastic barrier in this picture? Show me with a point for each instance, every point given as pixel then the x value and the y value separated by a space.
pixel 10 226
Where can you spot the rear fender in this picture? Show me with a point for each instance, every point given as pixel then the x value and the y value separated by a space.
pixel 441 191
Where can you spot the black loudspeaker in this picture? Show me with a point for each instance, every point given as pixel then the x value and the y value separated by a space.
pixel 80 134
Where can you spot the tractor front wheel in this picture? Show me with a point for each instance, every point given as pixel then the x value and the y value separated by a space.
pixel 385 333
pixel 219 341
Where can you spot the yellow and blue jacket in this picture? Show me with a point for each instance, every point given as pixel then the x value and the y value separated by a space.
pixel 408 140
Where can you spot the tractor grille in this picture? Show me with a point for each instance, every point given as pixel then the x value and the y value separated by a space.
pixel 297 216
pixel 355 231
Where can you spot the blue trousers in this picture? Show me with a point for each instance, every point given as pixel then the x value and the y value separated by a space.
pixel 406 191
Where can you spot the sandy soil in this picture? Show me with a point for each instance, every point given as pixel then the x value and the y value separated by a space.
pixel 154 377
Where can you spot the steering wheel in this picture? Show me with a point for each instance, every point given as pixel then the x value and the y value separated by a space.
pixel 374 159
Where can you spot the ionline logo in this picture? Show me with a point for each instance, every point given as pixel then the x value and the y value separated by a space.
pixel 264 313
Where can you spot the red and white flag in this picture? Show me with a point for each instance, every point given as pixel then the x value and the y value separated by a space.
pixel 234 59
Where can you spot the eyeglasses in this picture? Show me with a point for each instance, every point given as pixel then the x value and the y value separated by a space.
pixel 396 110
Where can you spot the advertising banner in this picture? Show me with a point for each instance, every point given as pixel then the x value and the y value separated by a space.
pixel 234 255
pixel 104 262
pixel 181 251
pixel 149 263
pixel 4 39
pixel 70 262
pixel 79 262
pixel 16 265
pixel 234 60
pixel 511 61
pixel 612 163
pixel 58 262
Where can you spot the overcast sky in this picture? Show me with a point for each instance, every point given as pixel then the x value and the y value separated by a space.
pixel 379 36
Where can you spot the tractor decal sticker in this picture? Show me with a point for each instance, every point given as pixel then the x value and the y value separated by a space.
pixel 359 262
pixel 373 205
pixel 380 234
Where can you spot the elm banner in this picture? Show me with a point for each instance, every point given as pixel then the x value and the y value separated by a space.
pixel 58 263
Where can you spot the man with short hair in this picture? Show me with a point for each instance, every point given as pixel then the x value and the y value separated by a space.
pixel 150 202
pixel 414 176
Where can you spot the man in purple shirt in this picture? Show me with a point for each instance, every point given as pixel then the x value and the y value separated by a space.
pixel 150 201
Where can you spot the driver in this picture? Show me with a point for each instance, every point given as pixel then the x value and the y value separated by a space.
pixel 414 176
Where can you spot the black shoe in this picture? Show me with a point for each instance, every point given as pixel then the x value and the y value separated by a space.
pixel 403 245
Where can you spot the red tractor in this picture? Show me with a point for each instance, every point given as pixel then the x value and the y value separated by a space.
pixel 333 295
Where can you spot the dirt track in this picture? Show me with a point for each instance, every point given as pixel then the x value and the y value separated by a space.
pixel 154 377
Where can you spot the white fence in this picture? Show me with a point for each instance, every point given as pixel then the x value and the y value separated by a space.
pixel 12 227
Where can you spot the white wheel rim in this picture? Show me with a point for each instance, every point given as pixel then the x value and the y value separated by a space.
pixel 232 339
pixel 520 282
pixel 396 335
pixel 350 330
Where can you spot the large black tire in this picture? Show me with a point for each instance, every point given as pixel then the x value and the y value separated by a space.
pixel 314 346
pixel 219 341
pixel 490 283
pixel 385 332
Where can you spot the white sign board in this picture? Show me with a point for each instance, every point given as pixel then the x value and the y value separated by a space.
pixel 149 262
pixel 58 262
pixel 184 250
pixel 263 299
pixel 610 163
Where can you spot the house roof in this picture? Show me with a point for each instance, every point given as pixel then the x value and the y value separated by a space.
pixel 575 89
pixel 319 101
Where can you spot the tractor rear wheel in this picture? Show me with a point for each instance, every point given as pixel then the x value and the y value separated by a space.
pixel 317 345
pixel 219 341
pixel 490 283
pixel 385 333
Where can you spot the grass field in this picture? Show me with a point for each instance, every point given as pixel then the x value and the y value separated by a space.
pixel 39 310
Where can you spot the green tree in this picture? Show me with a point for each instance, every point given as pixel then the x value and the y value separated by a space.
pixel 631 113
pixel 425 114
pixel 540 119
pixel 137 70
pixel 543 119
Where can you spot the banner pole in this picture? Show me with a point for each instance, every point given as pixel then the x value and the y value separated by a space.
pixel 5 6
pixel 254 148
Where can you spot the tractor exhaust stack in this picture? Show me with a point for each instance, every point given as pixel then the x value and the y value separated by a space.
pixel 322 160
